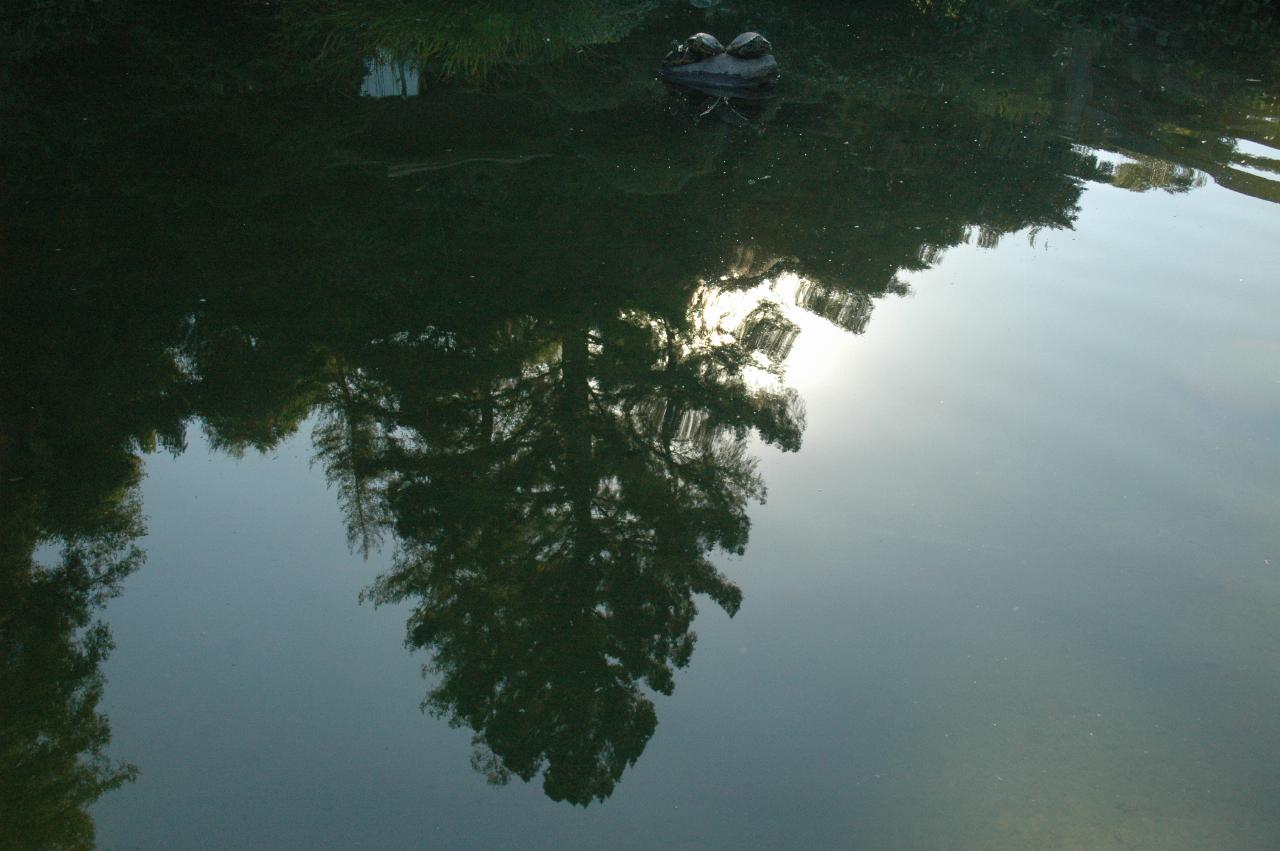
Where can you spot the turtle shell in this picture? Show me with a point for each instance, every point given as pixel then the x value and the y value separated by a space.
pixel 749 45
pixel 703 46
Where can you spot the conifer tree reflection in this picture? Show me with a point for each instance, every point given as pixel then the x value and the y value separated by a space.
pixel 71 433
pixel 556 512
pixel 53 739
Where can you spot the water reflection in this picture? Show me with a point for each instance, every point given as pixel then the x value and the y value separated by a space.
pixel 53 760
pixel 388 77
pixel 537 335
pixel 556 487
pixel 63 552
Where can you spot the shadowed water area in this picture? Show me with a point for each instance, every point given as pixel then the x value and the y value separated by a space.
pixel 392 391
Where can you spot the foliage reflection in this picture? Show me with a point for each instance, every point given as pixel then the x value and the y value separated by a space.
pixel 496 300
pixel 555 519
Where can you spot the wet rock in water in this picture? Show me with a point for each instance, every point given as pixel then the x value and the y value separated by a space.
pixel 724 72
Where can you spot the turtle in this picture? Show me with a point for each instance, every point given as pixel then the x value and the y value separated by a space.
pixel 749 45
pixel 695 48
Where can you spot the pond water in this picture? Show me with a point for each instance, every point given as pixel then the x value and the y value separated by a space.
pixel 530 455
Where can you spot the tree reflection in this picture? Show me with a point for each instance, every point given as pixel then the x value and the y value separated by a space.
pixel 71 436
pixel 53 739
pixel 502 322
pixel 556 505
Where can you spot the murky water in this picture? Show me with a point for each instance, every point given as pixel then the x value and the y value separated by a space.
pixel 537 456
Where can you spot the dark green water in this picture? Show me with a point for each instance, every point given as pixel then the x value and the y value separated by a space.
pixel 370 466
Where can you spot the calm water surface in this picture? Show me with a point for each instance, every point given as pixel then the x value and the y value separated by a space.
pixel 937 397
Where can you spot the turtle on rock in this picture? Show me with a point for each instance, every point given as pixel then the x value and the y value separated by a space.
pixel 701 63
pixel 695 48
pixel 749 45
